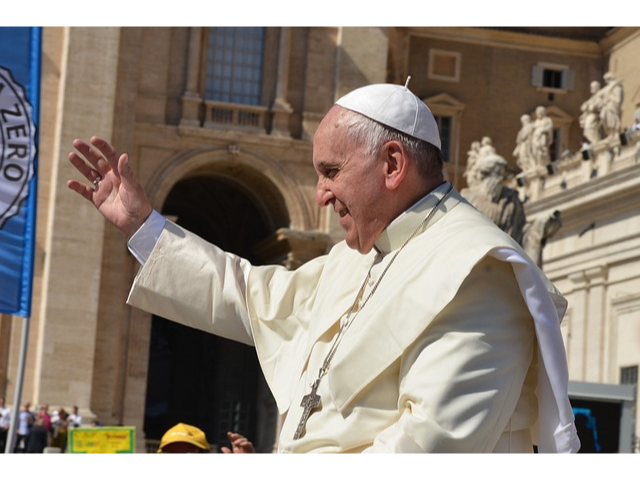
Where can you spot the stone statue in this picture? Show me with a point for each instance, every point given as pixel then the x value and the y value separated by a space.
pixel 472 157
pixel 612 95
pixel 542 138
pixel 537 232
pixel 590 116
pixel 502 204
pixel 523 151
pixel 486 147
pixel 478 150
pixel 498 202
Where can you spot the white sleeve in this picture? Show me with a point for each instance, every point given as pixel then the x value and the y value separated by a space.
pixel 142 242
pixel 192 282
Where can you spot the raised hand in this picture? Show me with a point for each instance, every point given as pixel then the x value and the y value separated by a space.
pixel 239 444
pixel 114 189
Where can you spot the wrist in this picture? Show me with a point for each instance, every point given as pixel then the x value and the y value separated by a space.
pixel 137 223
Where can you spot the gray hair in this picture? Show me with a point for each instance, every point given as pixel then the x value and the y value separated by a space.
pixel 373 135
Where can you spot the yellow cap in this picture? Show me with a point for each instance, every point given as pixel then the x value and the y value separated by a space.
pixel 184 433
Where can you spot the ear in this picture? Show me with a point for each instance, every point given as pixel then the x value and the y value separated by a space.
pixel 396 164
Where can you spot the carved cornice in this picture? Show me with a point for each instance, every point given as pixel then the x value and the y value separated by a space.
pixel 596 198
pixel 618 37
pixel 512 40
pixel 592 277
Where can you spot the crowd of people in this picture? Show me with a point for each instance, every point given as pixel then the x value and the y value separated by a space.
pixel 37 430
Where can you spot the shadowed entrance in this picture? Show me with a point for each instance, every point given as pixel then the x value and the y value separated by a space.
pixel 195 377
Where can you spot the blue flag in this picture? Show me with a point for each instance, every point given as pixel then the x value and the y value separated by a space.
pixel 20 52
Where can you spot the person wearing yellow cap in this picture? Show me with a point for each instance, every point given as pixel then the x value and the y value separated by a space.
pixel 184 438
pixel 428 329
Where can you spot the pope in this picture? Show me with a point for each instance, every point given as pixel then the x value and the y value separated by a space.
pixel 427 329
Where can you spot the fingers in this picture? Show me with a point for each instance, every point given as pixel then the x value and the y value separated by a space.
pixel 225 450
pixel 96 157
pixel 244 446
pixel 124 170
pixel 76 186
pixel 107 151
pixel 239 443
pixel 83 167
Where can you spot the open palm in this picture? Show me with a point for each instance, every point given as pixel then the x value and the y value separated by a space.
pixel 114 189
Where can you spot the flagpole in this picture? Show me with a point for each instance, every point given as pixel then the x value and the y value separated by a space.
pixel 11 434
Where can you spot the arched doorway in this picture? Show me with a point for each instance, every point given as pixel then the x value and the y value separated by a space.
pixel 194 377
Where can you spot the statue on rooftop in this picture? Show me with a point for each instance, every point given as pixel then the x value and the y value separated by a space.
pixel 612 95
pixel 542 138
pixel 501 204
pixel 590 116
pixel 523 151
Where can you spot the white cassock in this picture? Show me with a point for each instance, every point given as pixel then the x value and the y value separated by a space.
pixel 458 350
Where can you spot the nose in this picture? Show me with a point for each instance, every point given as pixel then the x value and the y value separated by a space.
pixel 324 196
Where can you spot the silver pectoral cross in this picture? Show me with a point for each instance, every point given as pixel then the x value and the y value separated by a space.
pixel 309 402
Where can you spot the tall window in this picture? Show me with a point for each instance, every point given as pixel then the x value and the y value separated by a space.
pixel 235 65
pixel 447 111
pixel 444 127
pixel 629 375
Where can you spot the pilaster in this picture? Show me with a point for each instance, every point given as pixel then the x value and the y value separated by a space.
pixel 66 334
pixel 192 100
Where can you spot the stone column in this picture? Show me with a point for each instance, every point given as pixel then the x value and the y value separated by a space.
pixel 192 99
pixel 595 324
pixel 68 309
pixel 362 57
pixel 576 341
pixel 134 378
pixel 281 109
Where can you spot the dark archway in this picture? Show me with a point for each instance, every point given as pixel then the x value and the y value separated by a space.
pixel 194 377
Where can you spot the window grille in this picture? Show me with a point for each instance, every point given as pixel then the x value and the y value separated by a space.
pixel 235 58
pixel 444 127
pixel 629 375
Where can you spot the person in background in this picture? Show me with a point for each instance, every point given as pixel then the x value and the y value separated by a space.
pixel 184 438
pixel 38 437
pixel 26 419
pixel 75 419
pixel 61 427
pixel 44 414
pixel 5 422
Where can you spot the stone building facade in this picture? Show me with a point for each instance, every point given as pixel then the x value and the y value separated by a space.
pixel 234 165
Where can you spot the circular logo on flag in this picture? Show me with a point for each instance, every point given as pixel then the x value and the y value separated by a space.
pixel 17 146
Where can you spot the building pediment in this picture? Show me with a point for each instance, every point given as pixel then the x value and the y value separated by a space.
pixel 559 115
pixel 444 101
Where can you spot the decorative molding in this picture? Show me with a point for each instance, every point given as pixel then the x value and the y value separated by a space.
pixel 456 57
pixel 514 40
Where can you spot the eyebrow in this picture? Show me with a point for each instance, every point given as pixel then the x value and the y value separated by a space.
pixel 324 164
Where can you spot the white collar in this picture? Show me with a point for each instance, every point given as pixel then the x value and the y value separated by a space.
pixel 404 225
